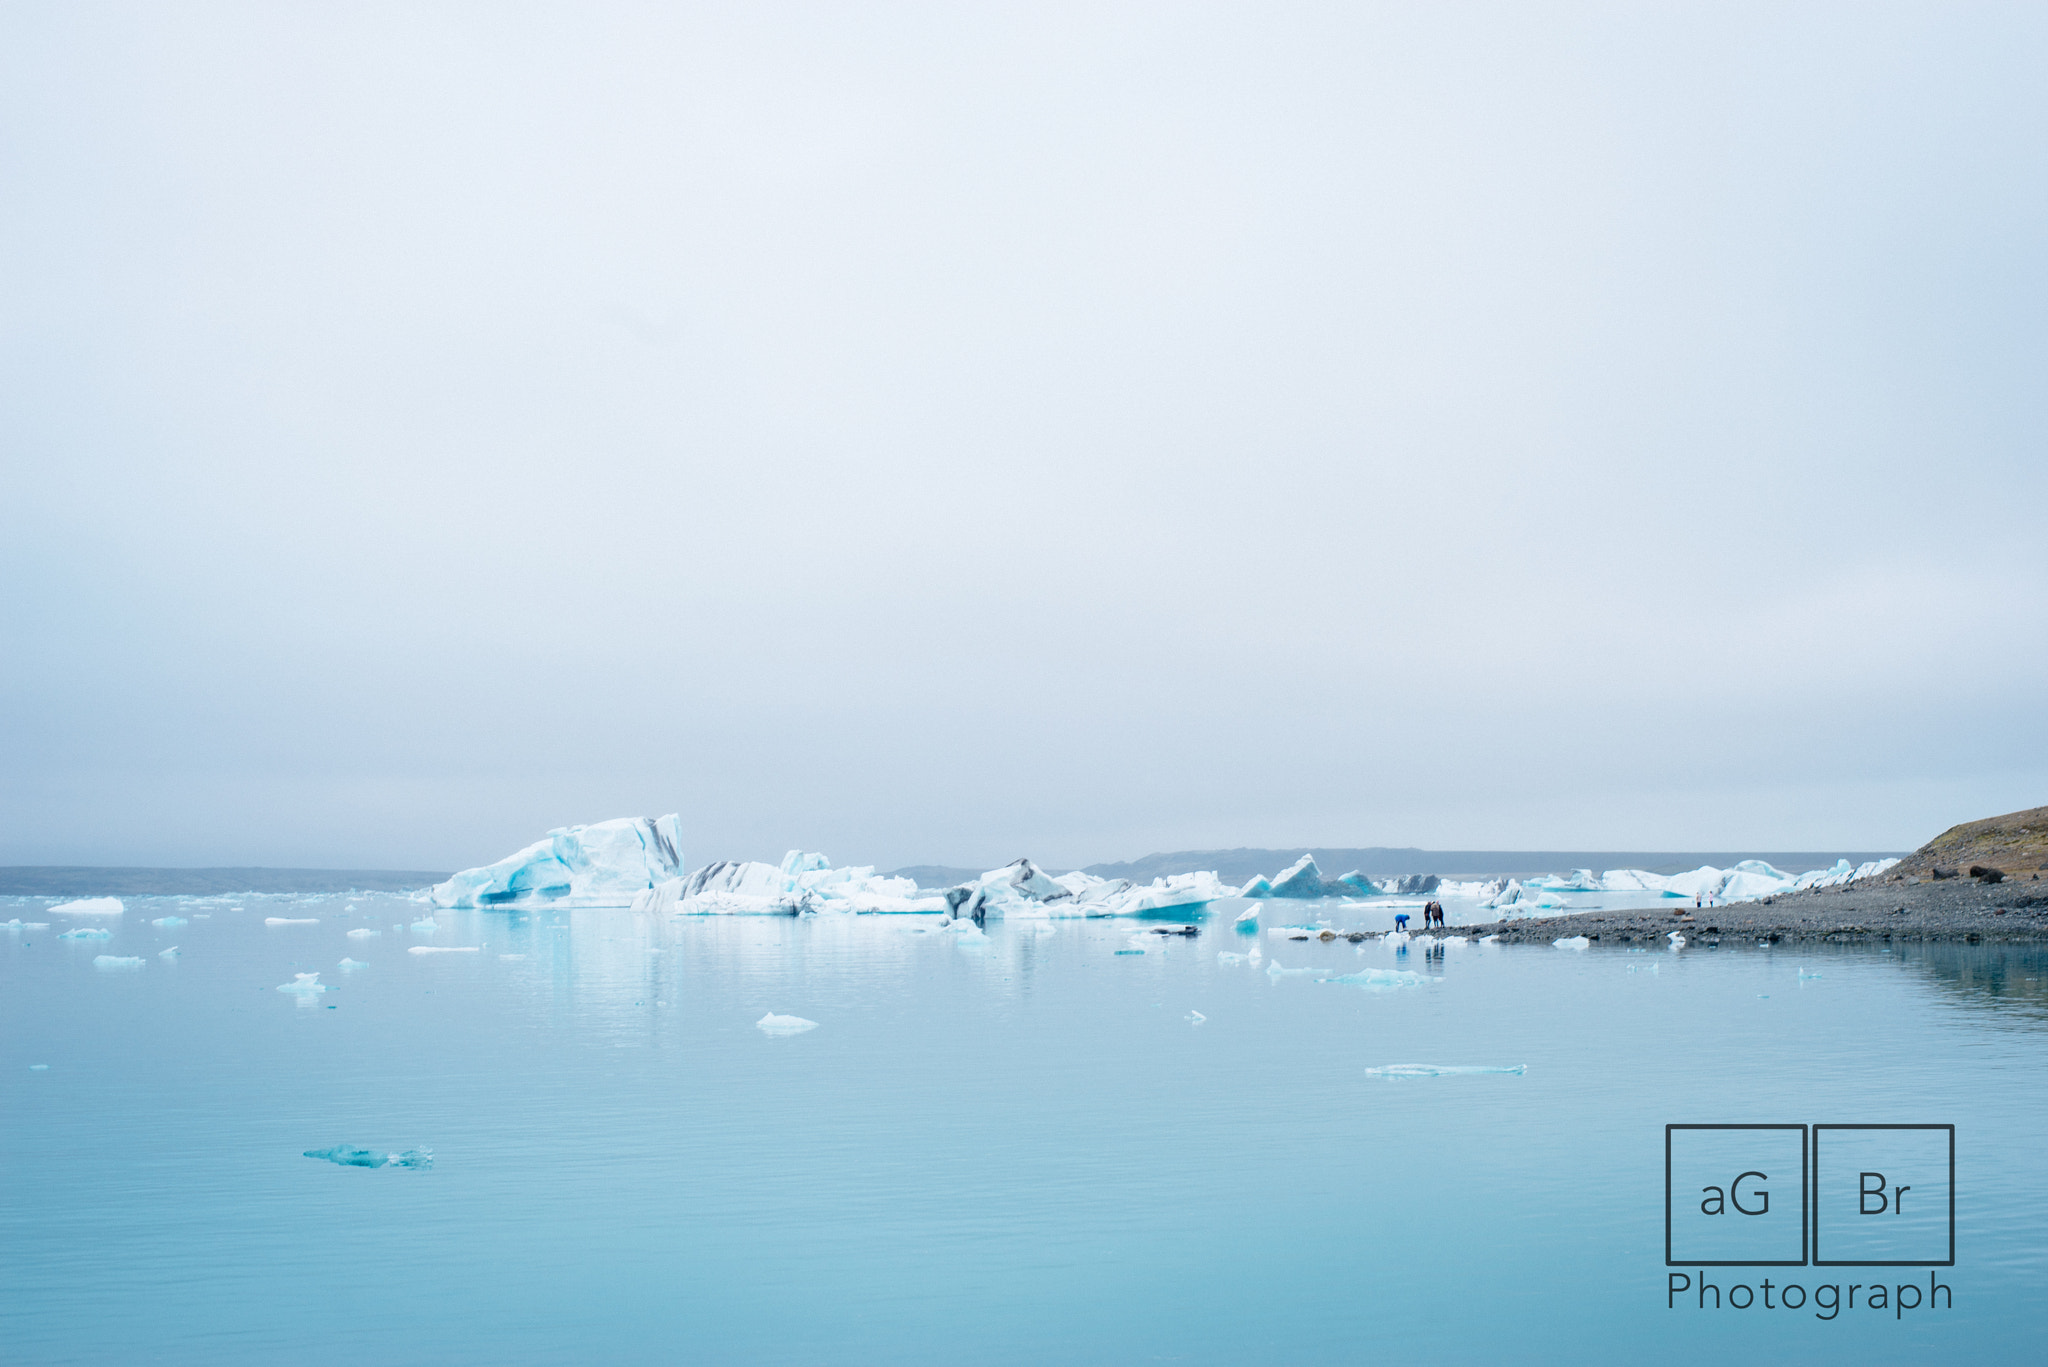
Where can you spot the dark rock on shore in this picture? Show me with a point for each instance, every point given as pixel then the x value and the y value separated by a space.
pixel 1872 911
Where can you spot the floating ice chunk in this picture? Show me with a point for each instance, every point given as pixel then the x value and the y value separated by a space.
pixel 363 933
pixel 1677 940
pixel 1804 975
pixel 1573 942
pixel 170 953
pixel 1196 1018
pixel 351 1156
pixel 39 1067
pixel 291 920
pixel 1274 970
pixel 772 1024
pixel 115 961
pixel 1394 939
pixel 607 863
pixel 169 922
pixel 90 906
pixel 1442 1070
pixel 351 965
pixel 86 933
pixel 303 985
pixel 1455 940
pixel 1380 979
pixel 1226 957
pixel 511 958
pixel 442 949
pixel 1489 939
pixel 1248 923
pixel 425 927
pixel 1259 886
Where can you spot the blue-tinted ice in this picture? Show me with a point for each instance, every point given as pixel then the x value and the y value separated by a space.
pixel 350 1156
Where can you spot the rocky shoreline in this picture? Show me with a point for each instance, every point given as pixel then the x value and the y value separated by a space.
pixel 1875 911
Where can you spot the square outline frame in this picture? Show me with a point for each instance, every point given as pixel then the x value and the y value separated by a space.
pixel 1950 1261
pixel 1806 1212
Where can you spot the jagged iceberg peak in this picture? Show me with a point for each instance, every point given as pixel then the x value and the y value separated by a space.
pixel 607 863
pixel 1303 881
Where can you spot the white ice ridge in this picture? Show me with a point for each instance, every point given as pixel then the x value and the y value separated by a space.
pixel 802 883
pixel 607 863
pixel 90 906
pixel 772 1024
pixel 1746 882
pixel 807 884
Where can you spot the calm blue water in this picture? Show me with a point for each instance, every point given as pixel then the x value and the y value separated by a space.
pixel 1018 1152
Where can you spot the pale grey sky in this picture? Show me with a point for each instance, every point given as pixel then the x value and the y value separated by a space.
pixel 948 432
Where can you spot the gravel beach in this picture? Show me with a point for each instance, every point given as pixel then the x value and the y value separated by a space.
pixel 1874 911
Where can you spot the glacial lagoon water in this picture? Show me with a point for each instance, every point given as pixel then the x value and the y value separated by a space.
pixel 1066 1142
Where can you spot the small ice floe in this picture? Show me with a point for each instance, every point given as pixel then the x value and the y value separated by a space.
pixel 351 1156
pixel 1644 968
pixel 90 906
pixel 772 1024
pixel 1804 975
pixel 1394 939
pixel 442 949
pixel 1248 923
pixel 291 920
pixel 1273 970
pixel 39 1067
pixel 1489 939
pixel 1196 1018
pixel 1442 1069
pixel 511 958
pixel 1380 979
pixel 303 985
pixel 86 933
pixel 1226 957
pixel 170 953
pixel 361 933
pixel 169 922
pixel 1677 940
pixel 1450 940
pixel 1572 942
pixel 115 961
pixel 425 926
pixel 351 965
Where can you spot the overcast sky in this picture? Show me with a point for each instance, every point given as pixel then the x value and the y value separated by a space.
pixel 949 432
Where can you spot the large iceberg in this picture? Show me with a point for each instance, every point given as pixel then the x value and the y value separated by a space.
pixel 607 863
